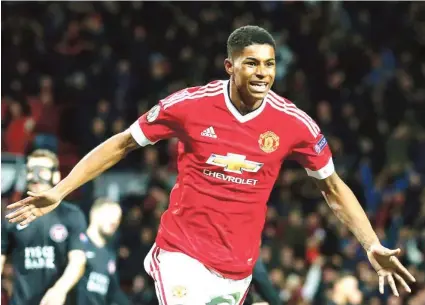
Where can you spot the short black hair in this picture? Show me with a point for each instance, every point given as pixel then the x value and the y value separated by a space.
pixel 246 36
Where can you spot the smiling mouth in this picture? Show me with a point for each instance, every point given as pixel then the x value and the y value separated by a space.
pixel 258 86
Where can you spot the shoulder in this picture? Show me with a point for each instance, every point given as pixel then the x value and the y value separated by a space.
pixel 68 207
pixel 298 119
pixel 71 212
pixel 190 95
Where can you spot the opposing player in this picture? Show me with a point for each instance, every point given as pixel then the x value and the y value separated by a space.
pixel 99 285
pixel 235 135
pixel 263 285
pixel 47 255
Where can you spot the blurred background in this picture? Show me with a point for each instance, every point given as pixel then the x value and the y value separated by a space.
pixel 75 73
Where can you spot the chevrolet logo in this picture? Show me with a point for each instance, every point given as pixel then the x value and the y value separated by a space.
pixel 234 163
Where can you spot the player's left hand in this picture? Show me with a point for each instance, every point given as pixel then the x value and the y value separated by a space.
pixel 54 296
pixel 388 267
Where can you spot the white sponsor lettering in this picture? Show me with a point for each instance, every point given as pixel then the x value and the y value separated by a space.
pixel 40 257
pixel 98 283
pixel 232 179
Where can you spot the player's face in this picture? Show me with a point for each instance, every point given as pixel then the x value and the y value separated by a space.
pixel 109 218
pixel 41 174
pixel 253 71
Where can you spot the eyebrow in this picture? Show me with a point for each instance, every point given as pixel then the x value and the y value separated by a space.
pixel 255 59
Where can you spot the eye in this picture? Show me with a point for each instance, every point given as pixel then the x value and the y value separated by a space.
pixel 251 64
pixel 270 64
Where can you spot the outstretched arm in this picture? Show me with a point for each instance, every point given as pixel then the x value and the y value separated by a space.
pixel 101 158
pixel 92 165
pixel 347 208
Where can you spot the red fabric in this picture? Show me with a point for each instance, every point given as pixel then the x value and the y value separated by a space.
pixel 16 138
pixel 227 166
pixel 36 108
pixel 48 121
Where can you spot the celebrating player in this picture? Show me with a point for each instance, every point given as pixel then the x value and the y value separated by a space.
pixel 99 285
pixel 235 134
pixel 47 255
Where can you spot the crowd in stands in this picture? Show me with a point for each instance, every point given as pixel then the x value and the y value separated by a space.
pixel 75 73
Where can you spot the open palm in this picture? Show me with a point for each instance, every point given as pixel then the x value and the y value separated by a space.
pixel 32 207
pixel 388 267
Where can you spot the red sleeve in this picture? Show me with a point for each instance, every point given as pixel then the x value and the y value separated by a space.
pixel 313 153
pixel 162 121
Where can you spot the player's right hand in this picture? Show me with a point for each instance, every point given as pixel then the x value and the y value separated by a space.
pixel 32 207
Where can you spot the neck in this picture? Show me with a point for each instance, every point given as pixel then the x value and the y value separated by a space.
pixel 96 237
pixel 244 106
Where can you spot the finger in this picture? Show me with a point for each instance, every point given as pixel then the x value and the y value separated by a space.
pixel 401 269
pixel 381 284
pixel 18 212
pixel 402 282
pixel 31 218
pixel 19 204
pixel 21 217
pixel 392 284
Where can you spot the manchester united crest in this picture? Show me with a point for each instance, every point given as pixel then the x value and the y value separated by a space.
pixel 268 141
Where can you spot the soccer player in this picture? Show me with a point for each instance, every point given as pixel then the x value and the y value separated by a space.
pixel 235 134
pixel 99 285
pixel 47 255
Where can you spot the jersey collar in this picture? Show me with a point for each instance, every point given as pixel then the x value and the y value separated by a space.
pixel 241 118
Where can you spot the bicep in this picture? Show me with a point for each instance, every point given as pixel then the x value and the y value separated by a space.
pixel 313 153
pixel 127 141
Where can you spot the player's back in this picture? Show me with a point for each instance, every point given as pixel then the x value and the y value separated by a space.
pixel 227 164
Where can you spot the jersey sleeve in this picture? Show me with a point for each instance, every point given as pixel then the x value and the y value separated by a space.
pixel 77 227
pixel 162 121
pixel 312 151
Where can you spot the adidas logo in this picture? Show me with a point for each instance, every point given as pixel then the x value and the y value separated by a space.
pixel 209 132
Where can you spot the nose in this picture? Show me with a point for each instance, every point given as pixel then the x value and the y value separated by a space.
pixel 261 72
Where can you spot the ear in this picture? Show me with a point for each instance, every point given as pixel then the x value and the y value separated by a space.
pixel 228 65
pixel 56 177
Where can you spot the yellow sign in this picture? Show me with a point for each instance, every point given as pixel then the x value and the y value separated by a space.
pixel 234 163
pixel 268 141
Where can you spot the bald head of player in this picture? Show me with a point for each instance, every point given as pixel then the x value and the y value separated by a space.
pixel 42 170
pixel 251 65
pixel 105 218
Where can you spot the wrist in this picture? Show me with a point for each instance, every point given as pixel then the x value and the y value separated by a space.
pixel 61 191
pixel 373 245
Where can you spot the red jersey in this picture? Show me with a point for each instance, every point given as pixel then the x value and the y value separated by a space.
pixel 227 164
